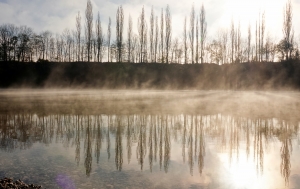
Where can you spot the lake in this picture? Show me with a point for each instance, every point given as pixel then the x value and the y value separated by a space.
pixel 151 139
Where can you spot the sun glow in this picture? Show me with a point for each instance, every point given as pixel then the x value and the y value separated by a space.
pixel 248 11
pixel 242 172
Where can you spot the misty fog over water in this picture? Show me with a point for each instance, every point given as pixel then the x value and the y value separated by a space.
pixel 150 139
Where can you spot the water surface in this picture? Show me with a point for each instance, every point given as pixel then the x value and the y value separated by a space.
pixel 151 139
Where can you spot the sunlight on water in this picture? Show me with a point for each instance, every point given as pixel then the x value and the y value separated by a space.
pixel 243 173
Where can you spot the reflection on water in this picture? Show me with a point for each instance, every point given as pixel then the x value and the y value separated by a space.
pixel 152 139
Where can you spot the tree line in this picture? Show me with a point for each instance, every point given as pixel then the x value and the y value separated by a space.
pixel 153 43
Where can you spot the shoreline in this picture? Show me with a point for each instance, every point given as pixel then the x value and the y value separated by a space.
pixel 279 76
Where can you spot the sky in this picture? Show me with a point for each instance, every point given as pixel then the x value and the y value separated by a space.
pixel 57 15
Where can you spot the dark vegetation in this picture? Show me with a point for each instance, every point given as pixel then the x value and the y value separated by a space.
pixel 243 76
pixel 7 183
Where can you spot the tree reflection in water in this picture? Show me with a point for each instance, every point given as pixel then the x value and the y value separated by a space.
pixel 88 147
pixel 153 135
pixel 118 143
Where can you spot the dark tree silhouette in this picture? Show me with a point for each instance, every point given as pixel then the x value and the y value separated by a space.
pixel 197 41
pixel 99 39
pixel 142 29
pixel 151 35
pixel 262 35
pixel 288 31
pixel 192 32
pixel 203 28
pixel 249 43
pixel 185 42
pixel 119 32
pixel 162 35
pixel 89 27
pixel 156 39
pixel 232 40
pixel 168 32
pixel 129 39
pixel 108 39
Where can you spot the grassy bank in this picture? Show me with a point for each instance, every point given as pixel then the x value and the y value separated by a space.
pixel 243 76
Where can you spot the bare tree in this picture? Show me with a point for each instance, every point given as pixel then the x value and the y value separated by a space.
pixel 108 39
pixel 263 25
pixel 259 38
pixel 46 35
pixel 78 33
pixel 119 33
pixel 288 29
pixel 177 51
pixel 58 48
pixel 129 38
pixel 232 37
pixel 249 43
pixel 197 39
pixel 272 51
pixel 223 35
pixel 100 39
pixel 24 36
pixel 268 47
pixel 68 42
pixel 36 42
pixel 89 26
pixel 256 42
pixel 215 50
pixel 185 41
pixel 52 49
pixel 151 33
pixel 162 35
pixel 238 44
pixel 135 48
pixel 142 29
pixel 174 50
pixel 4 35
pixel 203 31
pixel 156 39
pixel 145 49
pixel 8 42
pixel 94 44
pixel 168 32
pixel 74 46
pixel 192 32
pixel 83 50
pixel 14 39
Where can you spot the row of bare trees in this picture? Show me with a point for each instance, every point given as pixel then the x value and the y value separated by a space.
pixel 152 43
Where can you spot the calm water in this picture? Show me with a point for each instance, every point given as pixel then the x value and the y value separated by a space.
pixel 151 139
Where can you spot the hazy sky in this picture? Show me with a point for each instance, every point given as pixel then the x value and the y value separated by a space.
pixel 56 15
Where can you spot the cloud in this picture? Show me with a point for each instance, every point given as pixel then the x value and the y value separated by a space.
pixel 56 15
pixel 40 15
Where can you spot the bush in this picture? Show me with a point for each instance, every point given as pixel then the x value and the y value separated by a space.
pixel 42 60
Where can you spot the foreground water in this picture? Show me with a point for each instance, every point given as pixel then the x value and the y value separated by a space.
pixel 151 139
